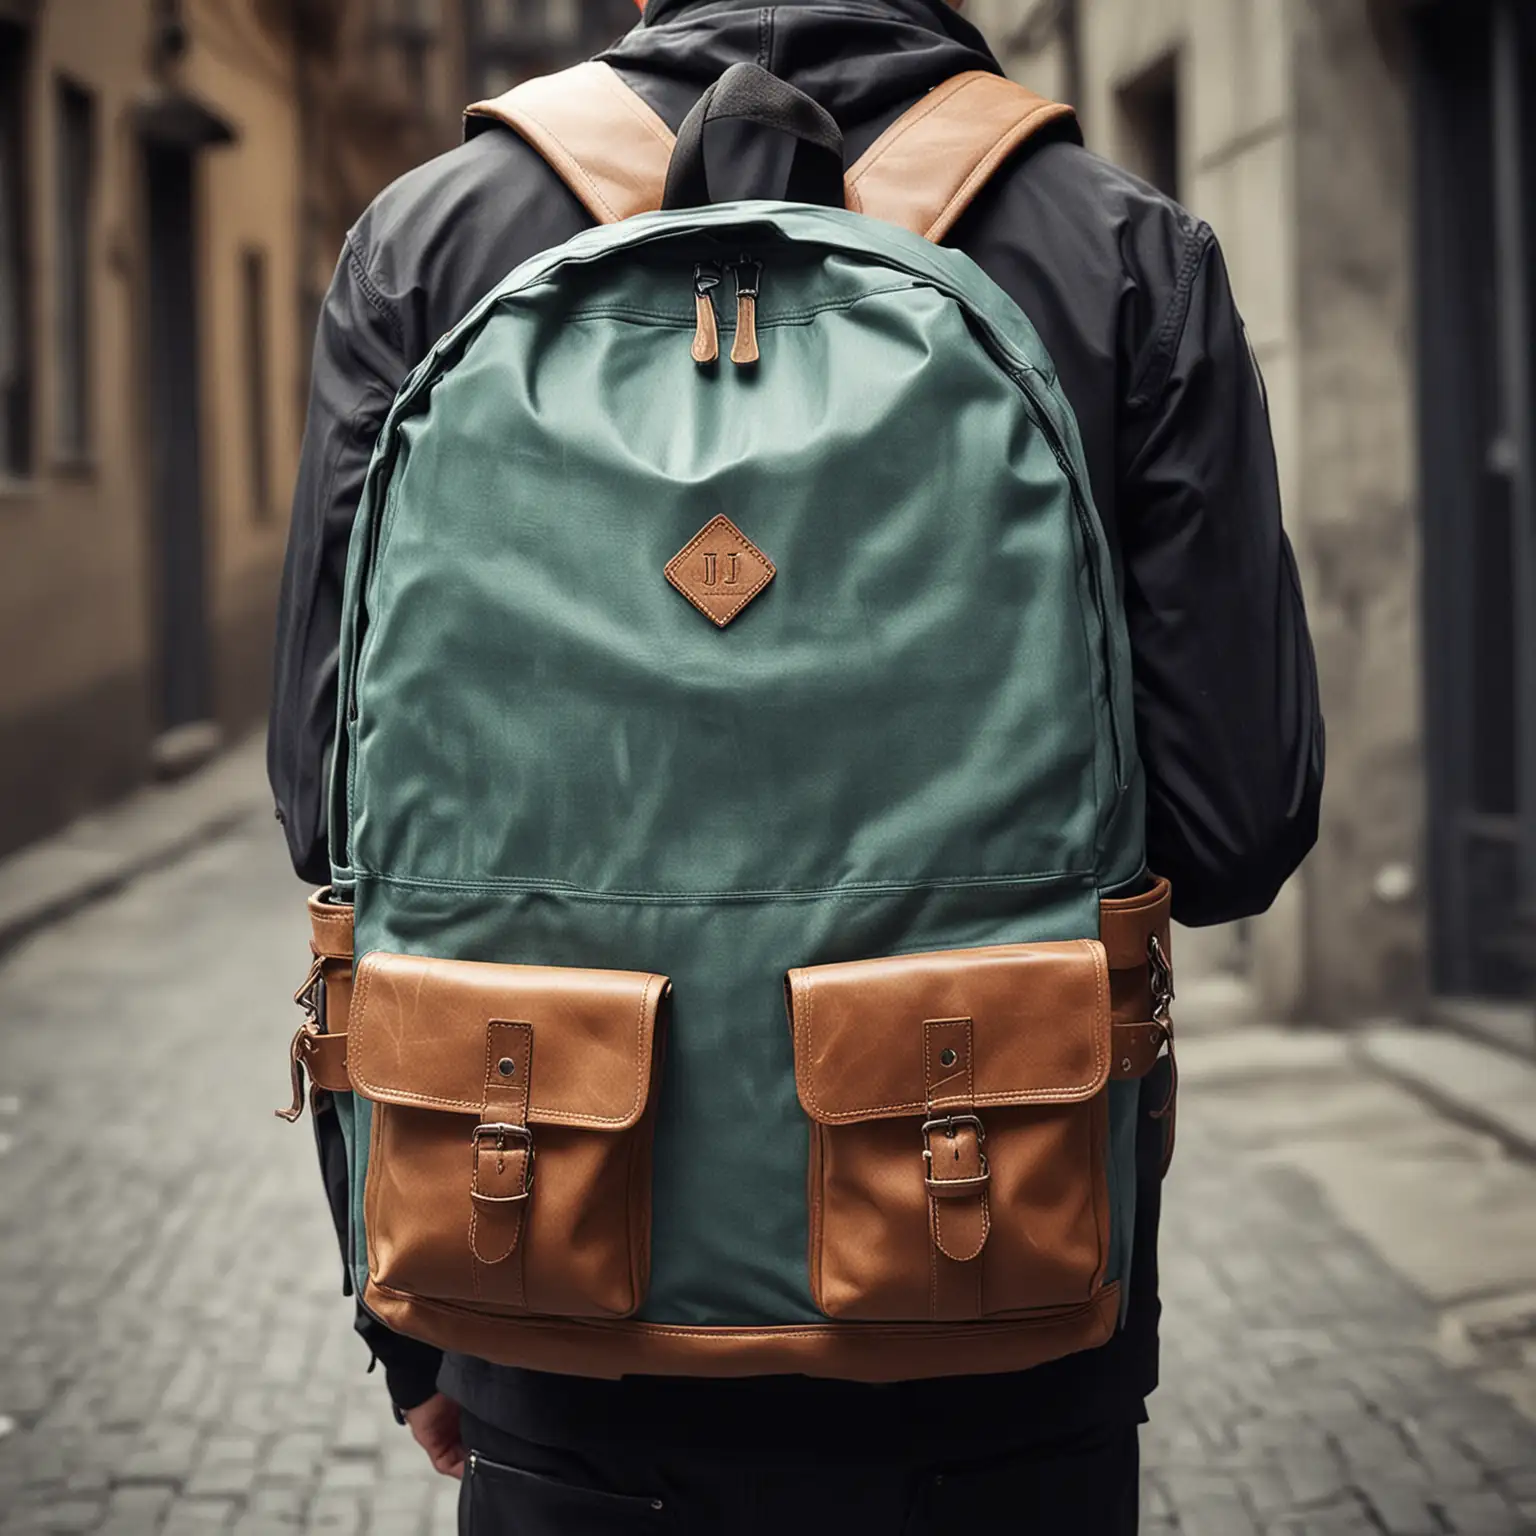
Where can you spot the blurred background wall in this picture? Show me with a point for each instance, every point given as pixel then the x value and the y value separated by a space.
pixel 175 180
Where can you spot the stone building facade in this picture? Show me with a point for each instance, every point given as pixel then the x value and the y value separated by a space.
pixel 1369 166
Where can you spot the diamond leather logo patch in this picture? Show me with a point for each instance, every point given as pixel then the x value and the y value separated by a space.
pixel 720 570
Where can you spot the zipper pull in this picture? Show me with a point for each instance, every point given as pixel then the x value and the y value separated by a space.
pixel 706 338
pixel 748 275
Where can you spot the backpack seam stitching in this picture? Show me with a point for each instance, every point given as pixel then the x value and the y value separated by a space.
pixel 675 320
pixel 684 898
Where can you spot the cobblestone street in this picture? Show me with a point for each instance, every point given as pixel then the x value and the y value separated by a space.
pixel 1348 1279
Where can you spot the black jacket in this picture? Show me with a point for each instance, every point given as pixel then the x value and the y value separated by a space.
pixel 1131 297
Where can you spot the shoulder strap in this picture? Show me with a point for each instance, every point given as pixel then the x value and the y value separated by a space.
pixel 606 144
pixel 924 171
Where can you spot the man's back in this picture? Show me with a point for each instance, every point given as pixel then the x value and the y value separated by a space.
pixel 1130 298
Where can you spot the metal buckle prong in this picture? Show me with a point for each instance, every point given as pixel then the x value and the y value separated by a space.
pixel 949 1124
pixel 504 1131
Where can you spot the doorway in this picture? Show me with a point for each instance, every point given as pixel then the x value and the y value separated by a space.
pixel 1475 115
pixel 181 639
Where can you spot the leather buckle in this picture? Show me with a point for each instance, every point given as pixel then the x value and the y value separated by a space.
pixel 503 1132
pixel 949 1124
pixel 298 1054
pixel 308 998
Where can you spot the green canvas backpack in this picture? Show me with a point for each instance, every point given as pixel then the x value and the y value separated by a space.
pixel 739 958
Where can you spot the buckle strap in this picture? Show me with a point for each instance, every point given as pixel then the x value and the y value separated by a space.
pixel 948 1153
pixel 501 1169
pixel 322 1052
pixel 504 1133
pixel 1136 1048
pixel 955 1172
pixel 1136 932
pixel 330 927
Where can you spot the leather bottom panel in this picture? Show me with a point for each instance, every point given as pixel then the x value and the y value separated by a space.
pixel 869 1352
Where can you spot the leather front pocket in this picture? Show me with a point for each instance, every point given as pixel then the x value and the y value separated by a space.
pixel 959 1130
pixel 509 1165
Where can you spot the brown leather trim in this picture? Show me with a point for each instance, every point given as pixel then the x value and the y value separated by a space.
pixel 325 995
pixel 744 349
pixel 501 1184
pixel 1127 922
pixel 719 570
pixel 871 1352
pixel 706 335
pixel 603 141
pixel 1135 1049
pixel 924 171
pixel 418 1040
pixel 330 926
pixel 955 1170
pixel 325 1059
pixel 1041 1011
pixel 1127 925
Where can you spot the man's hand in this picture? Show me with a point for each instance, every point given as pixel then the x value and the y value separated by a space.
pixel 435 1424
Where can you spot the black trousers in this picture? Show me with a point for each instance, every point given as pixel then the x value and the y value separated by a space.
pixel 1083 1486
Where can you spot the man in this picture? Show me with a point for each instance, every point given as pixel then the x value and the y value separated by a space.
pixel 1132 301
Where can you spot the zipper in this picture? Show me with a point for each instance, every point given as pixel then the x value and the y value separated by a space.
pixel 748 275
pixel 707 277
pixel 706 335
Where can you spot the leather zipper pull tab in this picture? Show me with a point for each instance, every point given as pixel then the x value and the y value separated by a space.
pixel 706 336
pixel 748 275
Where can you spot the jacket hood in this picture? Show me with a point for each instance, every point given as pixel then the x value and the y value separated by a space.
pixel 861 59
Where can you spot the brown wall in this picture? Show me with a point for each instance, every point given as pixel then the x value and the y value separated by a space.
pixel 318 120
pixel 73 621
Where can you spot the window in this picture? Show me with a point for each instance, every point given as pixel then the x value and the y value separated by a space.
pixel 15 306
pixel 1148 112
pixel 253 283
pixel 74 176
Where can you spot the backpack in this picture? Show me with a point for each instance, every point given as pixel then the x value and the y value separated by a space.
pixel 739 958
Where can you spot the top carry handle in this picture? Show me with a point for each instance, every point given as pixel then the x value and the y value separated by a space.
pixel 922 173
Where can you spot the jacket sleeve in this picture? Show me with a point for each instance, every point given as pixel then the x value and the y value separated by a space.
pixel 1226 690
pixel 359 362
pixel 358 365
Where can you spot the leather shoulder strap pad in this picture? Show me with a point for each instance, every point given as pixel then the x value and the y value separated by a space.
pixel 603 141
pixel 924 171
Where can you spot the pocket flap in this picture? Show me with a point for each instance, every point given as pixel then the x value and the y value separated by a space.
pixel 418 1035
pixel 1040 1024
